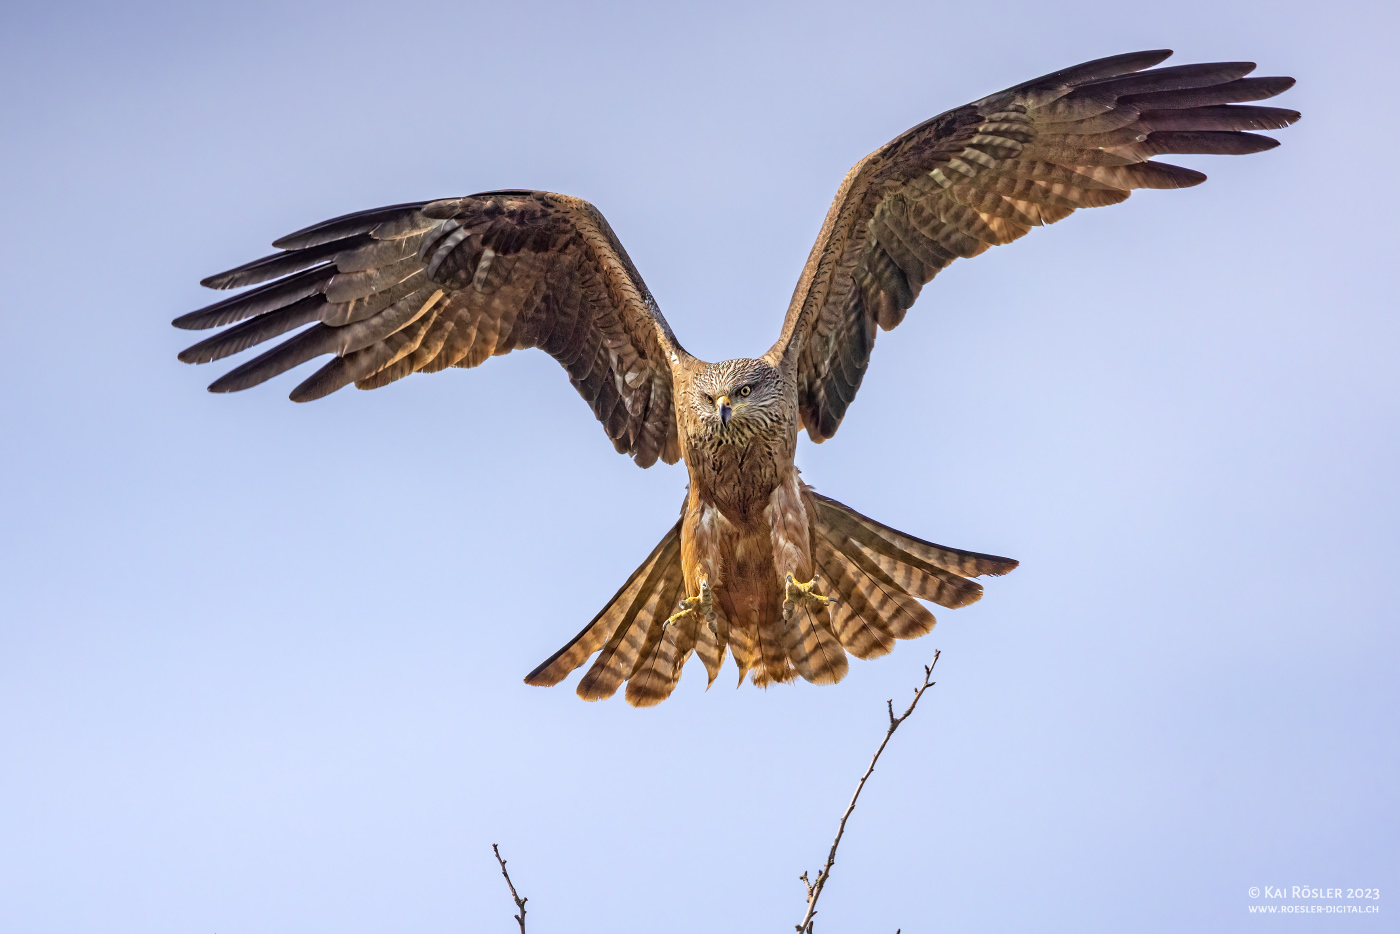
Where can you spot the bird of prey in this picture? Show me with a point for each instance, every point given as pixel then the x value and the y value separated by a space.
pixel 759 564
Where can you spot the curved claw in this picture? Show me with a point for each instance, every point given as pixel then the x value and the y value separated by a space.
pixel 703 603
pixel 796 592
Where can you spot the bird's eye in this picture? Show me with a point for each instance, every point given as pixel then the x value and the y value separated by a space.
pixel 745 391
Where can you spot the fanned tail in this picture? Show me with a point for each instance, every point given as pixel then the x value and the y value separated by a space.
pixel 878 574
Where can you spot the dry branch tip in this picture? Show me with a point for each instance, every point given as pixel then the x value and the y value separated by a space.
pixel 519 901
pixel 814 888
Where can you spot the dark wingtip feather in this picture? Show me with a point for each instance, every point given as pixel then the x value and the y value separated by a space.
pixel 1163 175
pixel 270 297
pixel 292 352
pixel 1156 56
pixel 1231 92
pixel 280 264
pixel 1176 77
pixel 1101 68
pixel 1113 65
pixel 1207 142
pixel 264 327
pixel 338 228
pixel 1220 117
pixel 1247 143
pixel 335 375
pixel 231 278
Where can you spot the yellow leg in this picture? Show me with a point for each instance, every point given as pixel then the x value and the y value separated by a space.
pixel 703 605
pixel 796 593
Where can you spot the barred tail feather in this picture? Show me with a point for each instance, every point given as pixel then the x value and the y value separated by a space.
pixel 813 648
pixel 773 666
pixel 710 645
pixel 681 637
pixel 619 658
pixel 742 647
pixel 914 576
pixel 880 574
pixel 876 593
pixel 617 619
pixel 656 671
pixel 859 629
pixel 870 533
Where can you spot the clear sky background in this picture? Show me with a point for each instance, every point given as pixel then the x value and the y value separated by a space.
pixel 260 663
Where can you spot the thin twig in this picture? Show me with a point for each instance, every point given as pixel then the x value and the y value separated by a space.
pixel 519 902
pixel 814 889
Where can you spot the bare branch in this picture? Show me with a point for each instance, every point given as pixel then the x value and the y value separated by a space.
pixel 519 902
pixel 814 889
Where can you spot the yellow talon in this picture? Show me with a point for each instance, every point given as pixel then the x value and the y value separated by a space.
pixel 704 602
pixel 795 593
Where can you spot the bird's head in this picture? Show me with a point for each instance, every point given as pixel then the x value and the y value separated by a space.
pixel 736 396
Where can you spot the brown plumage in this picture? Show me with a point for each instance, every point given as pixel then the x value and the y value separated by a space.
pixel 759 565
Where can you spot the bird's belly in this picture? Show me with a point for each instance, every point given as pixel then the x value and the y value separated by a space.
pixel 747 557
pixel 751 590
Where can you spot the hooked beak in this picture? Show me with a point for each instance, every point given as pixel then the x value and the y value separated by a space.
pixel 725 412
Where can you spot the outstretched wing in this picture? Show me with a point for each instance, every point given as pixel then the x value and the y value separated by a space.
pixel 987 173
pixel 421 287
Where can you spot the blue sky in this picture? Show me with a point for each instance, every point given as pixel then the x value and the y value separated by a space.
pixel 260 663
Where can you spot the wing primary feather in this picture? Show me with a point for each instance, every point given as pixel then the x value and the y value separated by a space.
pixel 1219 117
pixel 339 373
pixel 1233 92
pixel 1176 78
pixel 361 284
pixel 1096 70
pixel 1212 142
pixel 311 343
pixel 338 228
pixel 396 317
pixel 264 327
pixel 402 344
pixel 267 298
pixel 358 309
pixel 279 264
